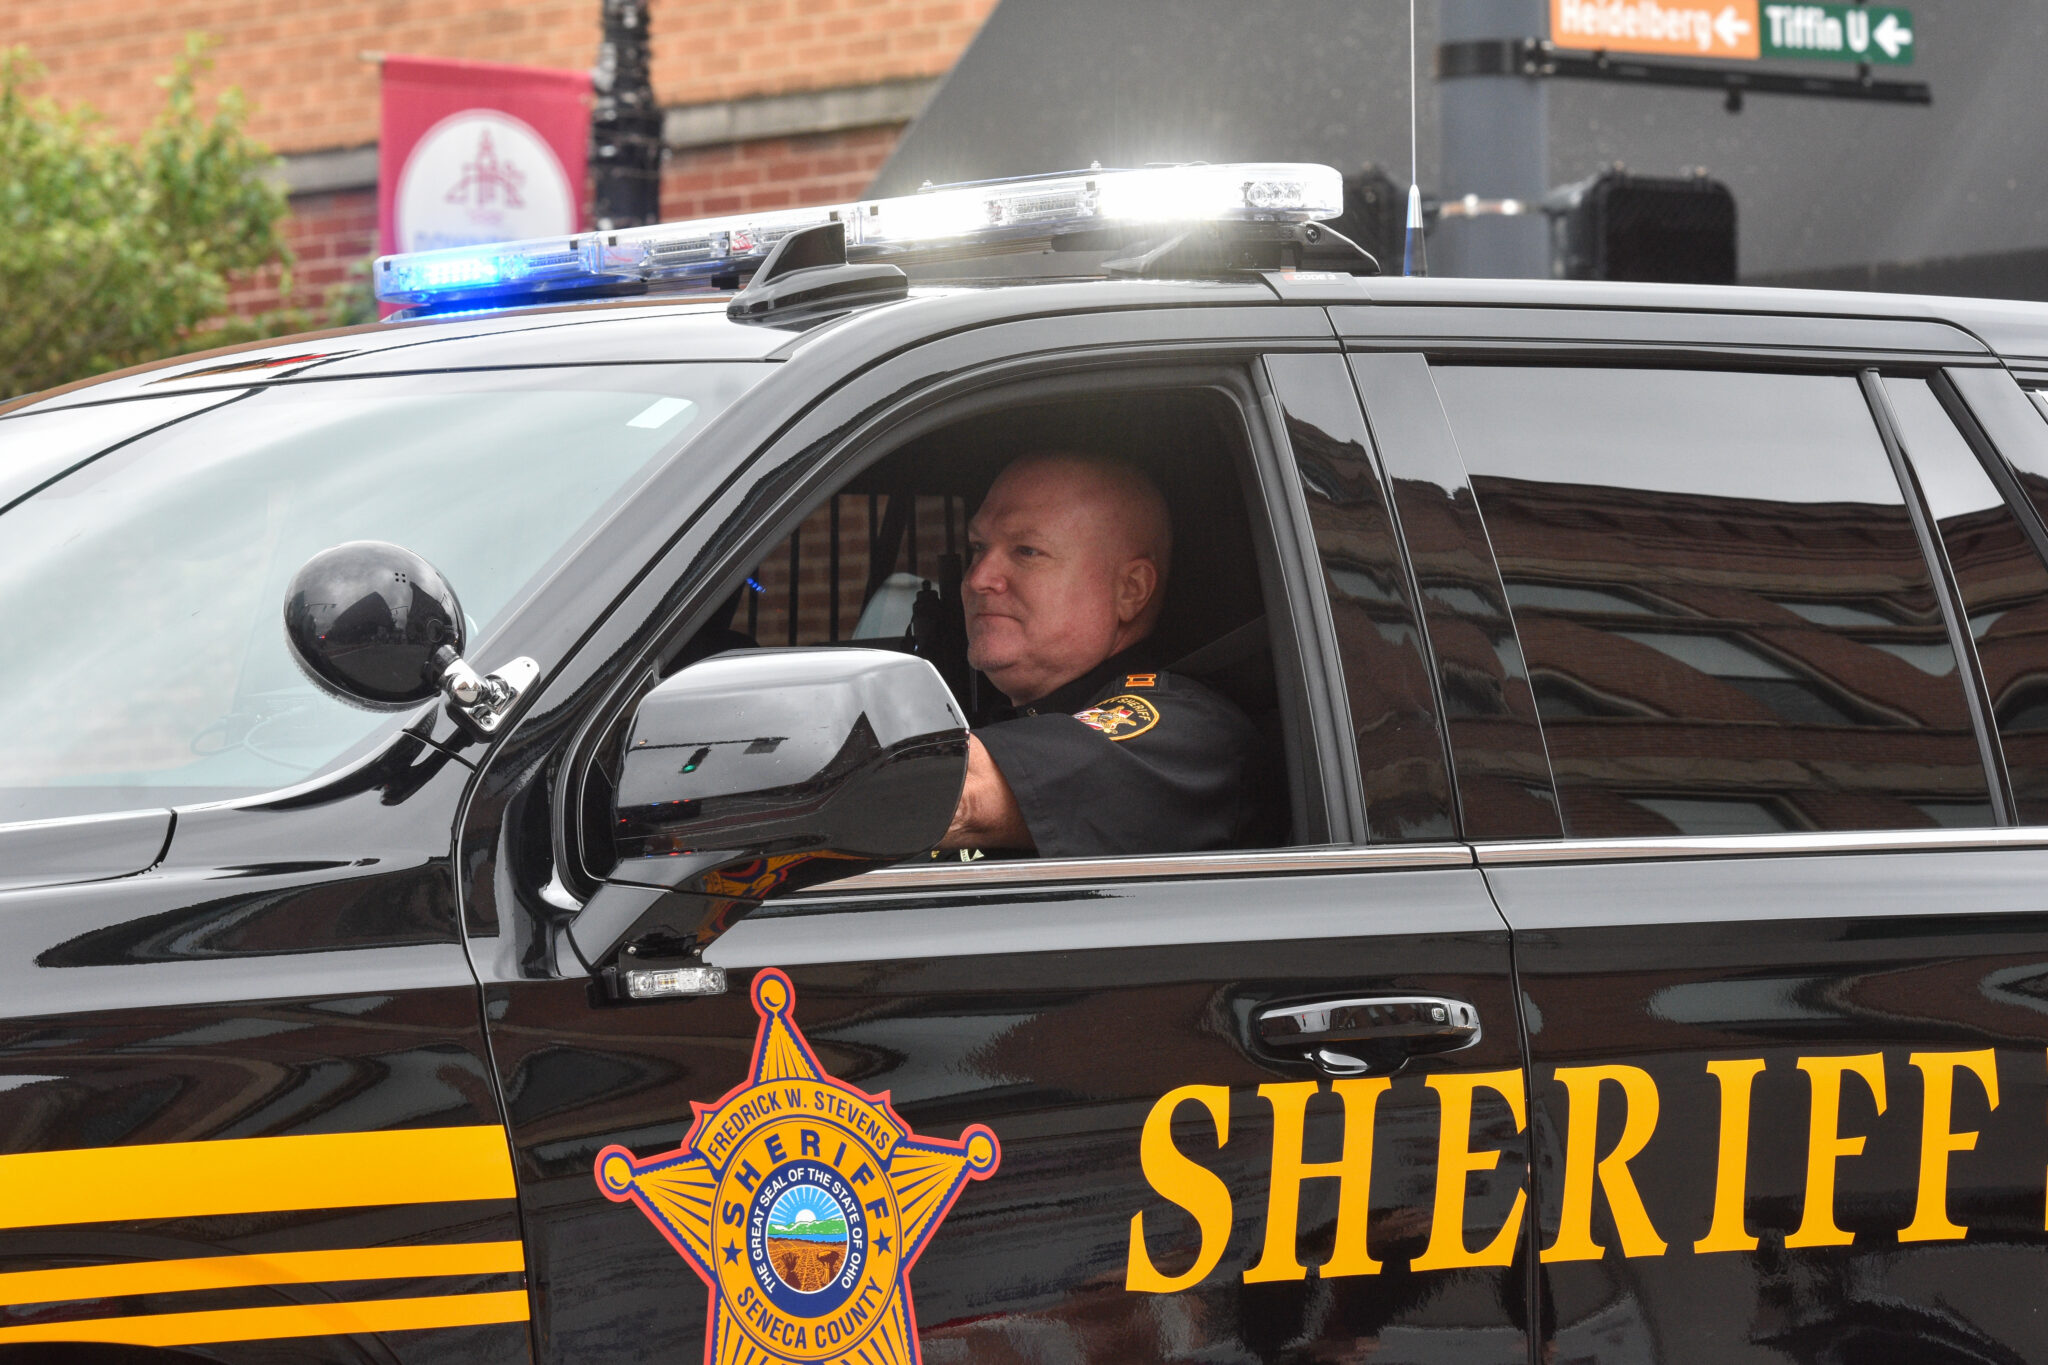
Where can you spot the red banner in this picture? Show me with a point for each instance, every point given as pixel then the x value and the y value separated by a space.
pixel 479 152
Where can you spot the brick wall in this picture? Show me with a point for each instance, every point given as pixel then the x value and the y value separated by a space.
pixel 300 64
pixel 328 233
pixel 773 173
pixel 719 49
pixel 299 61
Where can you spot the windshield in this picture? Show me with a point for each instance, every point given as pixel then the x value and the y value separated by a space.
pixel 37 447
pixel 142 650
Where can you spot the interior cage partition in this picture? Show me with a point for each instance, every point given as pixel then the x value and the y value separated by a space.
pixel 796 541
pixel 897 520
pixel 892 542
pixel 832 558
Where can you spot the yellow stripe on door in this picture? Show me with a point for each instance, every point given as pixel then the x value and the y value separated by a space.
pixel 254 1175
pixel 241 1272
pixel 287 1320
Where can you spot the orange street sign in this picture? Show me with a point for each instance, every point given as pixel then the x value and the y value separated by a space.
pixel 1678 28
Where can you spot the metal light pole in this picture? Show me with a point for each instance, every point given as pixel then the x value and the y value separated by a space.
pixel 1495 132
pixel 625 122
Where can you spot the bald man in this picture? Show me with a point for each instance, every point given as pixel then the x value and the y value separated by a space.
pixel 1100 751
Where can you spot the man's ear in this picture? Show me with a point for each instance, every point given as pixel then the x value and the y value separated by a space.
pixel 1136 585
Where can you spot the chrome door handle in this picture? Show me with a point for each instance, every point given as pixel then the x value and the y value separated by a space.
pixel 1370 1034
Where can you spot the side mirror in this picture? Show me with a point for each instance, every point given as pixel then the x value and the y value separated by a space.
pixel 763 771
pixel 376 626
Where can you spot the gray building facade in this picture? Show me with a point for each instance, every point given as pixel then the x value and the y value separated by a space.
pixel 1947 198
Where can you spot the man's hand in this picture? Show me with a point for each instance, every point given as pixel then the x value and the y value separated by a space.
pixel 987 816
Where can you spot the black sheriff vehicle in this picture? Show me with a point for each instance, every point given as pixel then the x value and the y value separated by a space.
pixel 467 787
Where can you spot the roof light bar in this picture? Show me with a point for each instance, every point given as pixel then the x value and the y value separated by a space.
pixel 997 214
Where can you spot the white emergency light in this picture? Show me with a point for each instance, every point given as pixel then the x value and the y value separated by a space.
pixel 1004 214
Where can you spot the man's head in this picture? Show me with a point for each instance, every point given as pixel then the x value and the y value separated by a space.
pixel 1067 566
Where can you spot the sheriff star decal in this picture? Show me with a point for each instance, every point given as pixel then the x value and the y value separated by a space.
pixel 1120 717
pixel 802 1202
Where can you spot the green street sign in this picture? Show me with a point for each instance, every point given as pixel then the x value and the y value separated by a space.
pixel 1879 34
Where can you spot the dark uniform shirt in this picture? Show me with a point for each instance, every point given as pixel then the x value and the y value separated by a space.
pixel 1128 759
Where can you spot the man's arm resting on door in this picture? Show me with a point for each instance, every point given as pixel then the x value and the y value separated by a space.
pixel 988 815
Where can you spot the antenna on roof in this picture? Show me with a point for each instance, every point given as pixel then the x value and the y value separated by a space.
pixel 1414 253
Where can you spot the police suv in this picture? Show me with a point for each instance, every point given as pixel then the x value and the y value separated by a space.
pixel 467 786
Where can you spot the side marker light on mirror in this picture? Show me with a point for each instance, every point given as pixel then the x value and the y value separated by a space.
pixel 656 983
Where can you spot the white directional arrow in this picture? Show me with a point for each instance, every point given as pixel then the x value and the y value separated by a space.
pixel 1733 28
pixel 1892 36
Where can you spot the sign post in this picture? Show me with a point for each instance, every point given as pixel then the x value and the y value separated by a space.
pixel 1493 143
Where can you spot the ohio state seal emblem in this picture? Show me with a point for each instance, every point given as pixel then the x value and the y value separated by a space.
pixel 802 1202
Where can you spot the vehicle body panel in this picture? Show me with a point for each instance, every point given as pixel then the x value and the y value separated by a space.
pixel 265 1048
pixel 307 965
pixel 1061 1032
pixel 1775 969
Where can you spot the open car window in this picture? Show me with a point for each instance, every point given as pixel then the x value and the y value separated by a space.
pixel 877 562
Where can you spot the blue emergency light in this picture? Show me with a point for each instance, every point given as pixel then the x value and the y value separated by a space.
pixel 952 219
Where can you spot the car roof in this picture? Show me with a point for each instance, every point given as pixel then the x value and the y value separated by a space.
pixel 696 328
pixel 2013 328
pixel 668 329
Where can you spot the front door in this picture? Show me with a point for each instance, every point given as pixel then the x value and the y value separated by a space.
pixel 1131 1109
pixel 1171 1186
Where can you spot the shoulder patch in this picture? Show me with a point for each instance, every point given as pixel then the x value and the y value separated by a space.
pixel 1141 680
pixel 1120 717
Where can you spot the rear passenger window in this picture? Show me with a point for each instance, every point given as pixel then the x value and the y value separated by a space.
pixel 1729 624
pixel 2003 584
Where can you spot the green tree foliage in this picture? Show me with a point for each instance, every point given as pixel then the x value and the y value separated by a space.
pixel 113 253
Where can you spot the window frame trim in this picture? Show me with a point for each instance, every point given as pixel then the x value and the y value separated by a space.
pixel 1803 843
pixel 1981 424
pixel 1948 593
pixel 1393 446
pixel 1303 583
pixel 994 874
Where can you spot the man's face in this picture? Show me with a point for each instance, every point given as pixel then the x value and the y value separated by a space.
pixel 1055 582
